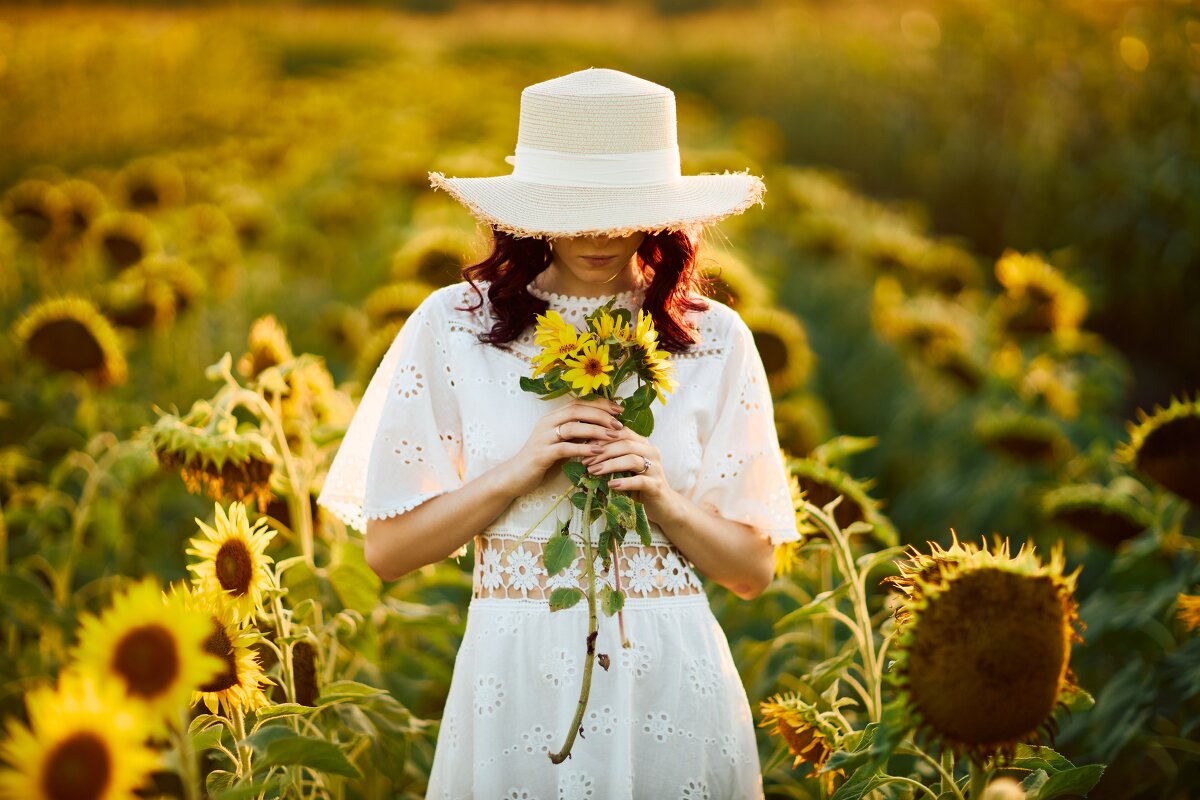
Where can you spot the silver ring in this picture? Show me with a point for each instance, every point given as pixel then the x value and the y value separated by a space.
pixel 558 431
pixel 643 470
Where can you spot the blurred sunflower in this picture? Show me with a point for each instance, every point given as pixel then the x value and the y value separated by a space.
pixel 138 301
pixel 728 279
pixel 239 683
pixel 150 646
pixel 802 421
pixel 69 334
pixel 1104 514
pixel 232 560
pixel 782 343
pixel 125 237
pixel 1187 608
pixel 213 453
pixel 1165 446
pixel 435 256
pixel 86 203
pixel 36 208
pixel 396 301
pixel 981 663
pixel 268 347
pixel 1022 437
pixel 822 482
pixel 588 369
pixel 304 670
pixel 1037 298
pixel 150 183
pixel 809 737
pixel 84 742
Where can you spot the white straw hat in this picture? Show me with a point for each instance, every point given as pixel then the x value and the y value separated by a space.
pixel 597 153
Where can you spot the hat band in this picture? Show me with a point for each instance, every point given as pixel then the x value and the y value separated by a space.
pixel 556 168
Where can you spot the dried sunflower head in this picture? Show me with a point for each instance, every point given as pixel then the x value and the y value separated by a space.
pixel 982 662
pixel 809 736
pixel 1165 446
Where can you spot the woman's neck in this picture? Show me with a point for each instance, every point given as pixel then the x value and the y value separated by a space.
pixel 561 281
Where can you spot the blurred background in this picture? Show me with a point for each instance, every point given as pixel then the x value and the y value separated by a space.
pixel 978 260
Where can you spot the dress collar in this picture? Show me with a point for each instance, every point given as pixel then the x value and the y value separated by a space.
pixel 563 302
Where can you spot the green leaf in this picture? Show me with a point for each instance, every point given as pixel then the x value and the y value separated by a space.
pixel 860 784
pixel 1033 757
pixel 579 500
pixel 575 471
pixel 643 524
pixel 208 738
pixel 356 584
pixel 814 606
pixel 565 597
pixel 344 690
pixel 1077 781
pixel 558 554
pixel 307 751
pixel 622 503
pixel 535 385
pixel 268 786
pixel 610 601
pixel 847 760
pixel 218 780
pixel 283 710
pixel 261 739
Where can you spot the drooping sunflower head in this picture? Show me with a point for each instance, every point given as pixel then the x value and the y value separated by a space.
pixel 809 736
pixel 922 570
pixel 782 343
pixel 1106 515
pixel 214 454
pixel 1022 437
pixel 395 301
pixel 728 279
pixel 239 683
pixel 233 561
pixel 69 334
pixel 435 256
pixel 151 647
pixel 822 482
pixel 1165 446
pixel 268 346
pixel 84 741
pixel 982 662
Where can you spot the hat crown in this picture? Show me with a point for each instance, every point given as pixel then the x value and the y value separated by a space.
pixel 598 111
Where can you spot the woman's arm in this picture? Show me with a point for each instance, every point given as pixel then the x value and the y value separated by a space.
pixel 734 555
pixel 437 527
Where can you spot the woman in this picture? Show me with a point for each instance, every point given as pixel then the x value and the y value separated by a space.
pixel 445 447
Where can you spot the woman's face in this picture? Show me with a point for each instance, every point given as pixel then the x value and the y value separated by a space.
pixel 595 259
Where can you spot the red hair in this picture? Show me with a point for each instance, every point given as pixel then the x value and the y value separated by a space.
pixel 667 259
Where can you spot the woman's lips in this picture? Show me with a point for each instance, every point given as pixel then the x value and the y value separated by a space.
pixel 598 261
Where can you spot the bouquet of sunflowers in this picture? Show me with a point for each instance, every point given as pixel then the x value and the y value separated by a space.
pixel 588 364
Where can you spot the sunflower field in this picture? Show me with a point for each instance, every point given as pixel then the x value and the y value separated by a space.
pixel 973 285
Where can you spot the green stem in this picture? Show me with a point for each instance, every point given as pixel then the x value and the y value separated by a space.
pixel 947 769
pixel 586 688
pixel 239 721
pixel 979 779
pixel 909 781
pixel 947 776
pixel 188 774
pixel 508 550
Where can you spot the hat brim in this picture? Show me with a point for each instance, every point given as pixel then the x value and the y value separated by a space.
pixel 532 209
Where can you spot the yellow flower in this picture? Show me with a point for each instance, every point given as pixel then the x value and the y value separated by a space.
pixel 83 740
pixel 644 333
pixel 1187 608
pixel 239 683
pixel 657 361
pixel 552 328
pixel 154 649
pixel 588 370
pixel 809 736
pixel 559 340
pixel 610 327
pixel 233 562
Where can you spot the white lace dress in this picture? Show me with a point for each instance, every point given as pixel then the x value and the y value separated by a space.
pixel 670 717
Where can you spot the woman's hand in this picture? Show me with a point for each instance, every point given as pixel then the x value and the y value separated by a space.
pixel 625 454
pixel 583 423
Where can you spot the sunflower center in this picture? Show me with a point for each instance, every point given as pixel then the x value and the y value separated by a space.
pixel 219 645
pixel 593 367
pixel 989 656
pixel 773 350
pixel 78 768
pixel 565 348
pixel 147 658
pixel 67 344
pixel 235 567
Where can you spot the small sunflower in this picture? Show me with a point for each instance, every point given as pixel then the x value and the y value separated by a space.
pixel 86 203
pixel 435 256
pixel 69 334
pixel 1037 299
pixel 660 370
pixel 608 326
pixel 1165 446
pixel 1022 437
pixel 150 183
pixel 1187 608
pixel 345 326
pixel 396 301
pixel 268 347
pixel 239 683
pixel 729 280
pixel 982 661
pixel 125 238
pixel 589 368
pixel 213 453
pixel 376 347
pixel 184 280
pixel 644 334
pixel 233 562
pixel 251 214
pixel 822 482
pixel 138 301
pixel 783 345
pixel 150 646
pixel 36 208
pixel 84 742
pixel 809 736
pixel 559 341
pixel 1104 514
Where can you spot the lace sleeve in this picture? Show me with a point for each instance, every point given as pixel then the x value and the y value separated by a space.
pixel 404 444
pixel 743 476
